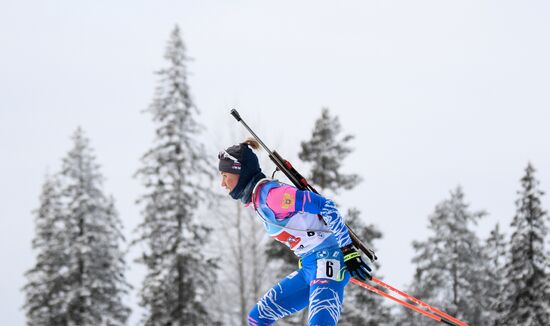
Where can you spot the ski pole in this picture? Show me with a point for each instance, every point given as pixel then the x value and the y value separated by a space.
pixel 406 304
pixel 300 182
pixel 418 301
pixel 433 313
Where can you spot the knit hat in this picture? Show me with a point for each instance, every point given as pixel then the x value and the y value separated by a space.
pixel 230 160
pixel 240 159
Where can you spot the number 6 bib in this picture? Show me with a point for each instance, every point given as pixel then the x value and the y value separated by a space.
pixel 328 268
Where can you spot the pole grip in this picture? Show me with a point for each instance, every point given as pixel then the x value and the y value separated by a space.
pixel 236 115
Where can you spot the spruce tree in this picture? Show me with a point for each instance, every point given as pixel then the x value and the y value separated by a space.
pixel 46 286
pixel 326 151
pixel 79 275
pixel 449 262
pixel 96 267
pixel 526 299
pixel 176 173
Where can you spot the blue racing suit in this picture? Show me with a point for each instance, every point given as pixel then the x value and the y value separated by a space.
pixel 291 216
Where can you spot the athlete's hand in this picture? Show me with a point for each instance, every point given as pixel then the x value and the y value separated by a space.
pixel 355 265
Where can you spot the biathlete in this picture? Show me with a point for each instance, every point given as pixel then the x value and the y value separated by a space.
pixel 291 216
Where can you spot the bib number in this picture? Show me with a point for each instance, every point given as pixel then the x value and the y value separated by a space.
pixel 328 268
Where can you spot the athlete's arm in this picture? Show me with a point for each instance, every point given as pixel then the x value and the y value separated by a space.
pixel 331 215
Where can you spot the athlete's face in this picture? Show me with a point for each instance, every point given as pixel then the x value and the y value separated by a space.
pixel 229 180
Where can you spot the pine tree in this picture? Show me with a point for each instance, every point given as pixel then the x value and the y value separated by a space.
pixel 95 275
pixel 79 275
pixel 46 284
pixel 493 278
pixel 526 299
pixel 176 173
pixel 326 150
pixel 449 263
pixel 362 307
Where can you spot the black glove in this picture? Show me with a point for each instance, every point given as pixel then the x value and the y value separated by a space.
pixel 355 265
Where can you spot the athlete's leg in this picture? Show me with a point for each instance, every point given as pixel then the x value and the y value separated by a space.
pixel 325 302
pixel 328 278
pixel 287 297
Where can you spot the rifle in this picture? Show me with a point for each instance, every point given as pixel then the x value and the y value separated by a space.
pixel 300 182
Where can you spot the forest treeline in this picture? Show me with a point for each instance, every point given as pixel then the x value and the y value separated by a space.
pixel 79 271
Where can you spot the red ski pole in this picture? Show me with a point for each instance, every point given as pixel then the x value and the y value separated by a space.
pixel 433 313
pixel 418 302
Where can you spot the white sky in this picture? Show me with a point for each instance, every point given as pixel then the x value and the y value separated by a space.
pixel 438 93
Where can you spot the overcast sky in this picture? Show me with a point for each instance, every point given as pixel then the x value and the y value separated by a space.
pixel 437 93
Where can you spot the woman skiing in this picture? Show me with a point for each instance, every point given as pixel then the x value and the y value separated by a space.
pixel 308 224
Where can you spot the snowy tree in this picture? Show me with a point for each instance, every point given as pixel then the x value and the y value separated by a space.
pixel 46 284
pixel 493 278
pixel 526 299
pixel 175 172
pixel 449 263
pixel 96 266
pixel 79 275
pixel 326 150
pixel 362 307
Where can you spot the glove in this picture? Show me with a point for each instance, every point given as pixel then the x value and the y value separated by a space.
pixel 355 265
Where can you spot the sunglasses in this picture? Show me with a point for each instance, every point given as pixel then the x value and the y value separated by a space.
pixel 225 155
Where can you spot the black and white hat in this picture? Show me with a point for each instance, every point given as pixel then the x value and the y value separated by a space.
pixel 229 160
